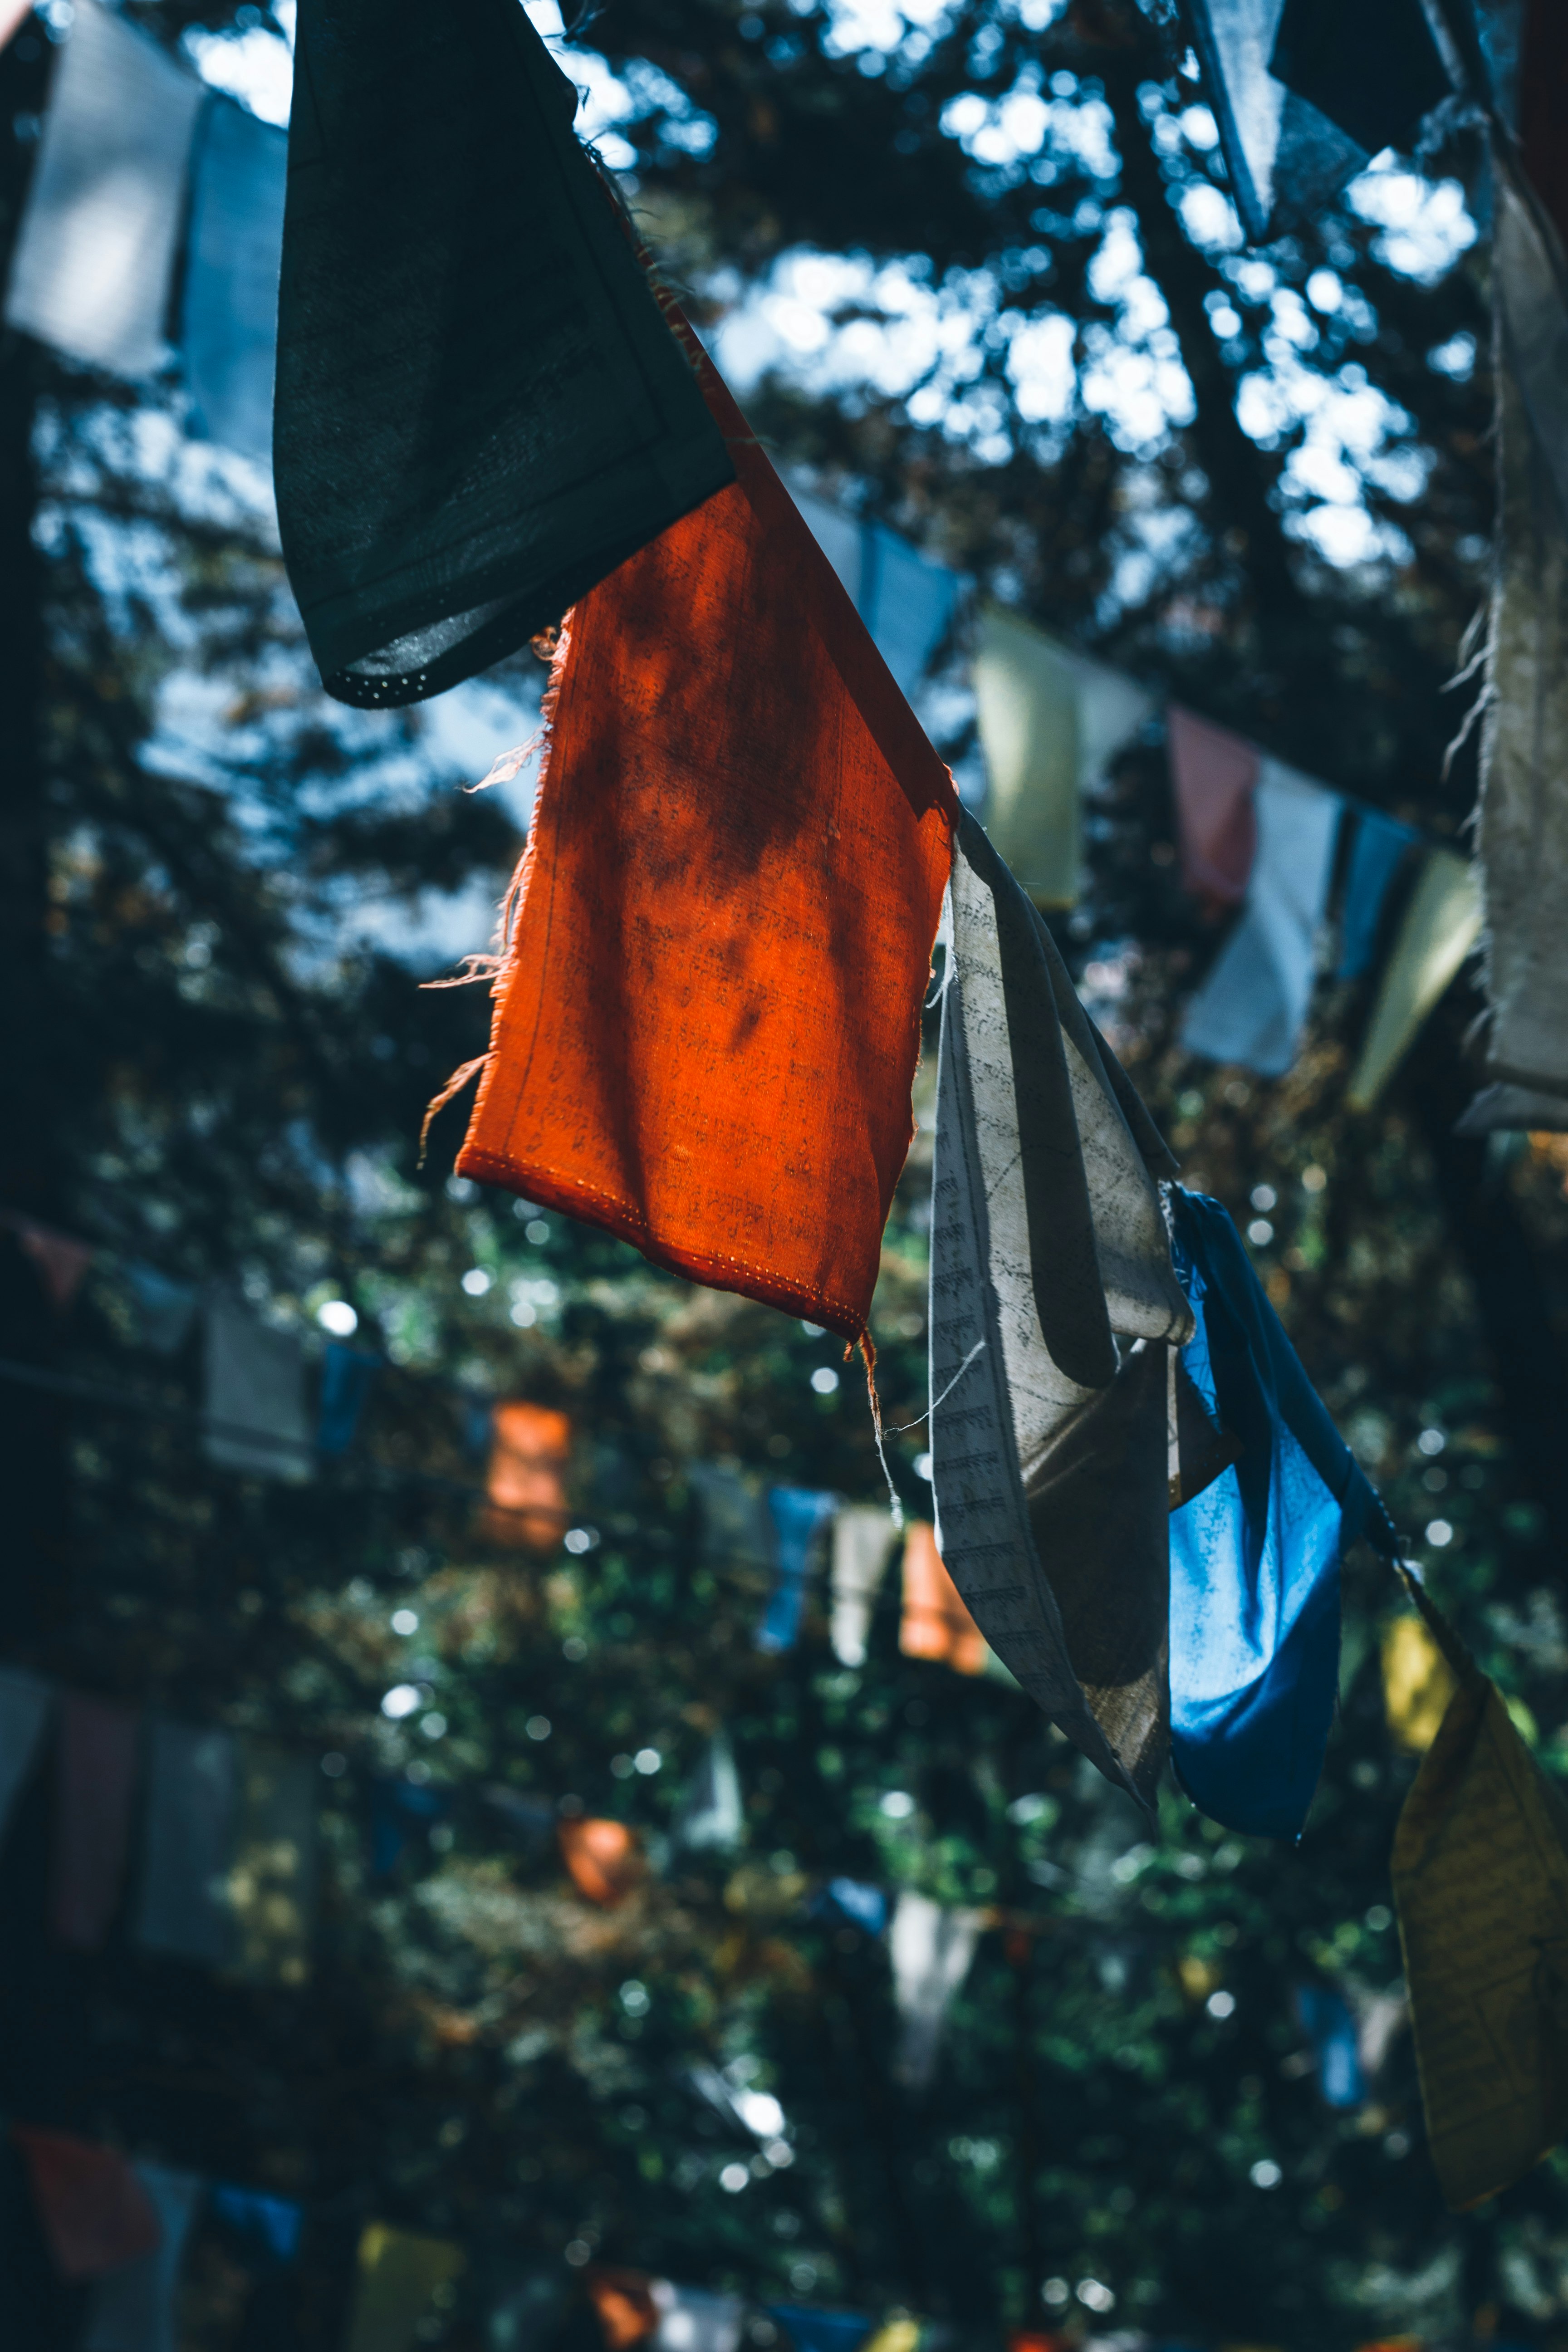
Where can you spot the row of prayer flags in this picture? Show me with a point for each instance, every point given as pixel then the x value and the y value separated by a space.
pixel 1303 97
pixel 1258 835
pixel 227 1847
pixel 146 181
pixel 119 2227
pixel 784 1535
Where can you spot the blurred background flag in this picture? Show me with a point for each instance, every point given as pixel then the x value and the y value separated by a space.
pixel 932 1949
pixel 604 1859
pixel 1376 851
pixel 96 2213
pixel 1049 720
pixel 799 1516
pixel 1441 924
pixel 134 2310
pixel 1329 2025
pixel 95 1785
pixel 531 1451
pixel 26 1700
pixel 811 2330
pixel 348 1375
pixel 94 261
pixel 162 1310
pixel 713 1818
pixel 936 1623
pixel 254 1400
pixel 906 601
pixel 276 2222
pixel 229 308
pixel 863 1540
pixel 401 2275
pixel 1213 776
pixel 188 1844
pixel 1254 1001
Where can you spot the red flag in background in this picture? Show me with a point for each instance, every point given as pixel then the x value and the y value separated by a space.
pixel 95 1781
pixel 1215 775
pixel 604 1858
pixel 96 2216
pixel 708 1021
pixel 526 1483
pixel 936 1623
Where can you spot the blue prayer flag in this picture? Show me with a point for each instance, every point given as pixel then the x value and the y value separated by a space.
pixel 797 1513
pixel 907 602
pixel 1380 844
pixel 1327 2021
pixel 396 1809
pixel 821 2331
pixel 276 2221
pixel 1254 1558
pixel 347 1374
pixel 854 1899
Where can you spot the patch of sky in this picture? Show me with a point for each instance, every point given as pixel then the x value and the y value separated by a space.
pixel 253 63
pixel 1008 131
pixel 855 27
pixel 1424 224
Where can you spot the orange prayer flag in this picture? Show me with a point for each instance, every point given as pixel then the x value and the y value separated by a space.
pixel 624 2304
pixel 604 1858
pixel 96 2215
pixel 707 1021
pixel 936 1623
pixel 530 1450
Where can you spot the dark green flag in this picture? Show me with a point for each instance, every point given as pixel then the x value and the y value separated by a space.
pixel 480 409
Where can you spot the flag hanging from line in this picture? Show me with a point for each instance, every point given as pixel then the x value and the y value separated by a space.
pixel 602 1858
pixel 1254 1558
pixel 95 2212
pixel 863 1540
pixel 530 1452
pixel 133 2309
pixel 1050 1446
pixel 1440 926
pixel 400 2274
pixel 798 1516
pixel 706 1024
pixel 95 1784
pixel 935 1624
pixel 480 410
pixel 256 1419
pixel 931 1949
pixel 228 317
pixel 185 1908
pixel 1253 1000
pixel 1376 852
pixel 1480 1881
pixel 1213 776
pixel 1049 720
pixel 94 259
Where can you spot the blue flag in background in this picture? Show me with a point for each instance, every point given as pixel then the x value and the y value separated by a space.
pixel 1380 844
pixel 906 602
pixel 796 1513
pixel 276 2221
pixel 1329 2026
pixel 346 1377
pixel 821 2331
pixel 1254 1558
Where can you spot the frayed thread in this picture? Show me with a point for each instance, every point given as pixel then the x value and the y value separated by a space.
pixel 868 1351
pixel 438 1103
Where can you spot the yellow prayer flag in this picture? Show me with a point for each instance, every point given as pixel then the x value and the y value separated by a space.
pixel 401 2275
pixel 272 1880
pixel 895 2335
pixel 1049 720
pixel 1481 1878
pixel 1417 1683
pixel 1441 925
